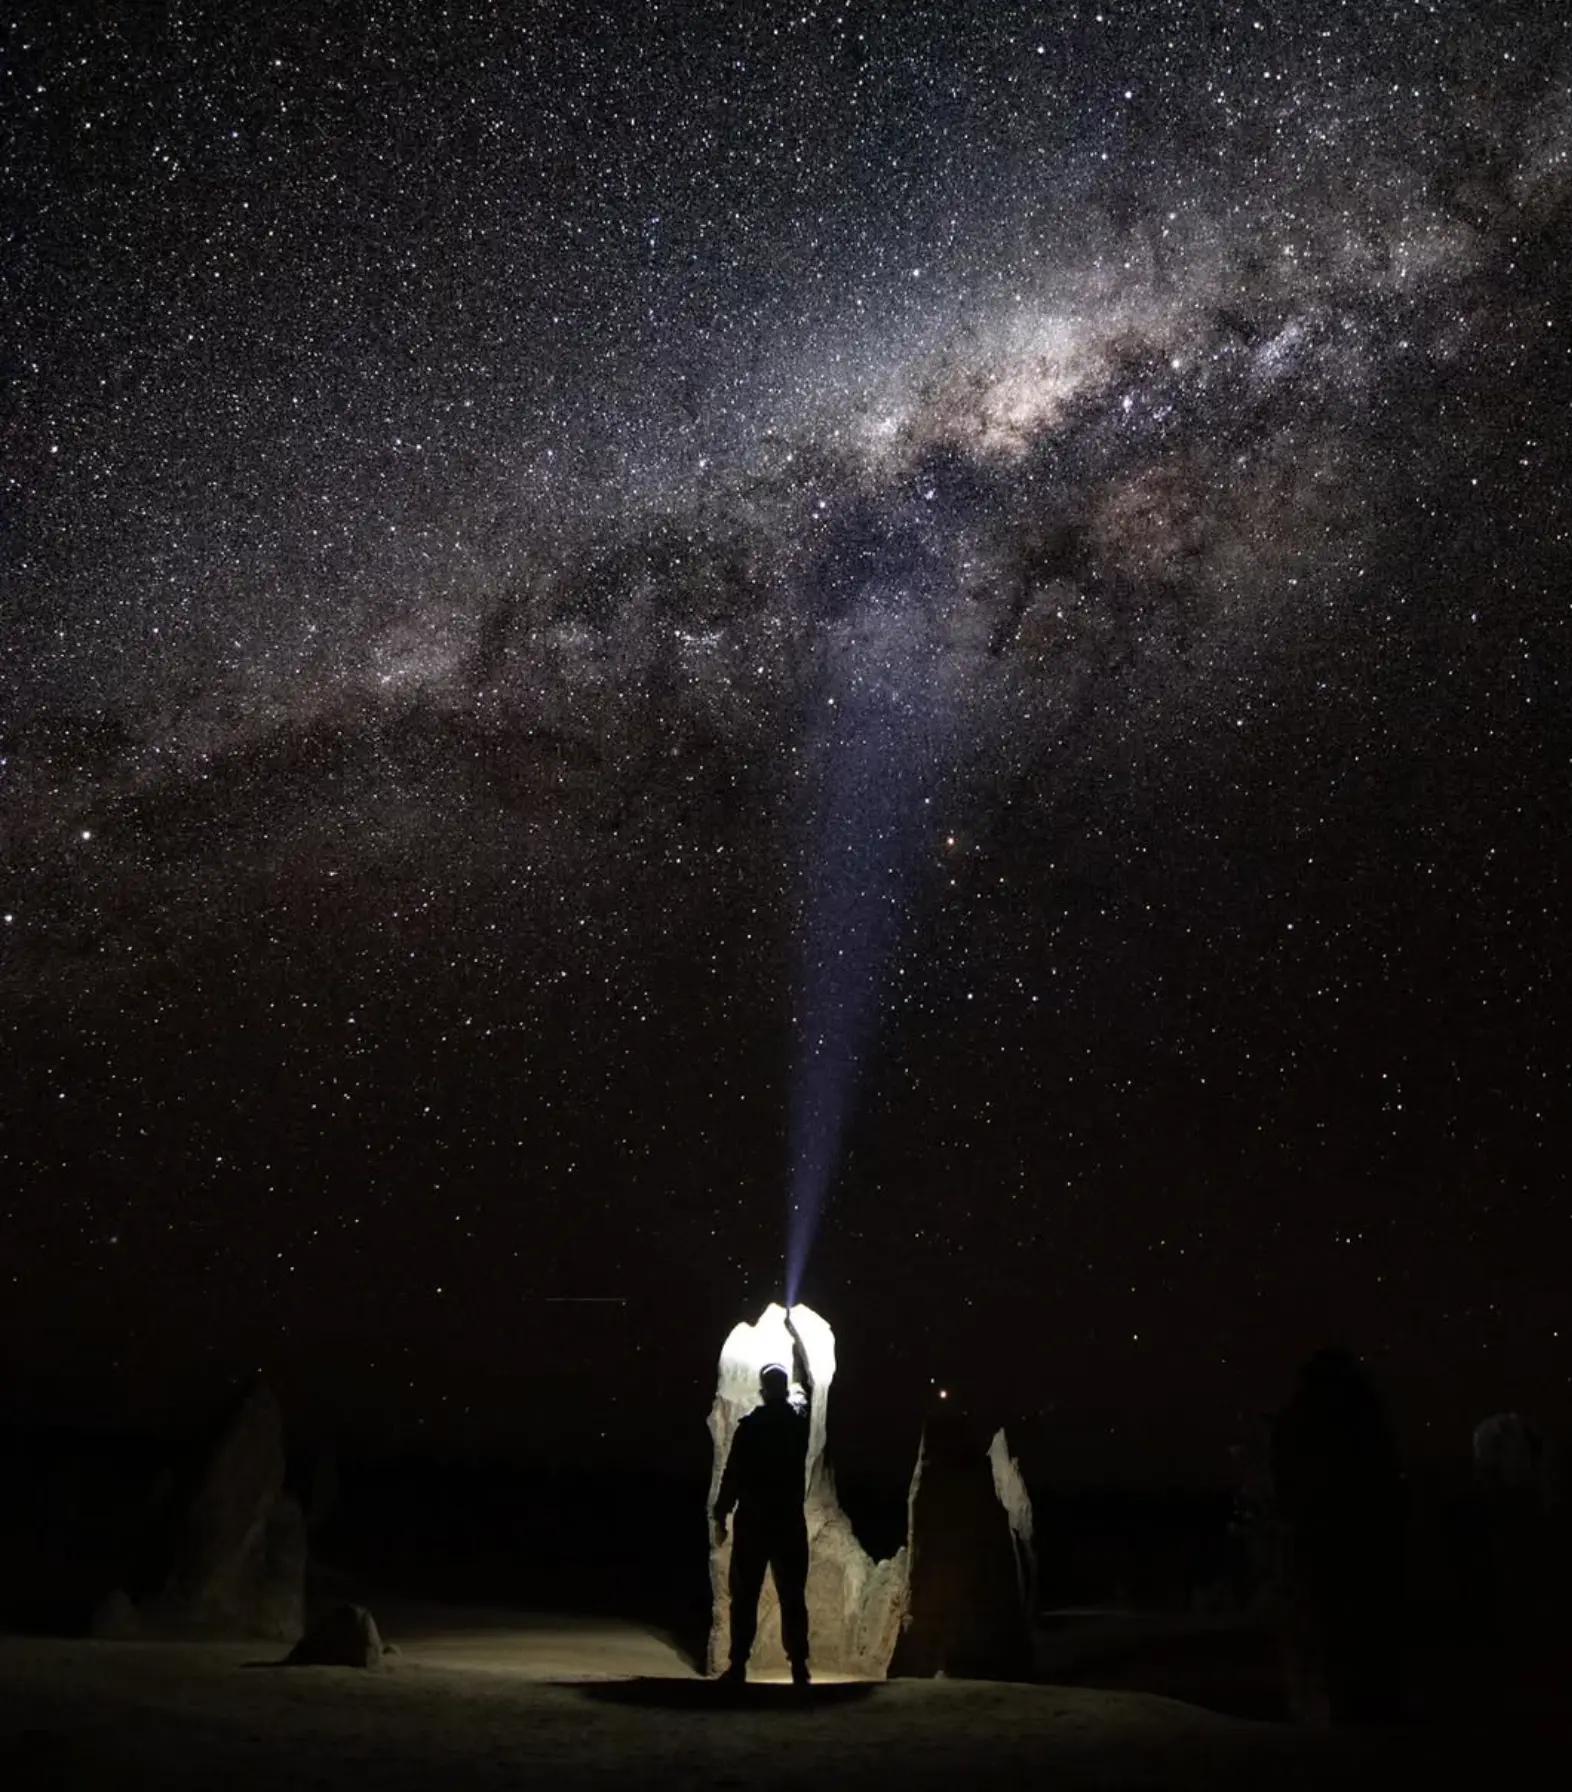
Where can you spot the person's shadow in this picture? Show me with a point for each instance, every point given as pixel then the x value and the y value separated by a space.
pixel 673 1693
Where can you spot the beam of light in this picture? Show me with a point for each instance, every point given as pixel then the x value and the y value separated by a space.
pixel 875 752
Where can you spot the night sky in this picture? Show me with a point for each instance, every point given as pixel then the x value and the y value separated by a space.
pixel 613 616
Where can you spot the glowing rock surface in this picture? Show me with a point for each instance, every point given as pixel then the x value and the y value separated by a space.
pixel 855 1605
pixel 957 1599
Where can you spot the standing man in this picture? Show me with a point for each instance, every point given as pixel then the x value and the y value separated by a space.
pixel 765 1476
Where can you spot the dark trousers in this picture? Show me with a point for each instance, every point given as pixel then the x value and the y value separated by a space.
pixel 779 1542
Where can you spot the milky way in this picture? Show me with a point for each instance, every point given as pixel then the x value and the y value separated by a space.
pixel 459 478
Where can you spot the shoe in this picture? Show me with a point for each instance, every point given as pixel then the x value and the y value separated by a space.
pixel 735 1675
pixel 800 1675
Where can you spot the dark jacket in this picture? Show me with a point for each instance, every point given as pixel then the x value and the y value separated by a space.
pixel 768 1463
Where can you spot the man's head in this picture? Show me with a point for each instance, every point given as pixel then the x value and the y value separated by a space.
pixel 774 1383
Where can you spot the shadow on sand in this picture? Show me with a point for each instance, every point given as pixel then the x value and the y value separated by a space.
pixel 671 1693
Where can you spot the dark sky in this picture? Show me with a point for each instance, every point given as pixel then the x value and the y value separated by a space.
pixel 600 602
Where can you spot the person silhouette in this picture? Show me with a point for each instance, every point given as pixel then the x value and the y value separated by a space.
pixel 764 1480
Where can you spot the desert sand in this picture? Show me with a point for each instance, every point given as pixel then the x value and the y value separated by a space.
pixel 478 1699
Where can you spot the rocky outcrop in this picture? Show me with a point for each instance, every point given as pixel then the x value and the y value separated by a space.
pixel 1009 1486
pixel 969 1560
pixel 855 1604
pixel 347 1637
pixel 1253 1551
pixel 114 1618
pixel 1511 1462
pixel 957 1599
pixel 236 1553
pixel 276 1604
pixel 1339 1510
pixel 1524 1550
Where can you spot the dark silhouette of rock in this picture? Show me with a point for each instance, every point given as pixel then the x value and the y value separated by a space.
pixel 1252 1523
pixel 322 1491
pixel 854 1603
pixel 236 1551
pixel 1523 1591
pixel 346 1637
pixel 1339 1501
pixel 278 1592
pixel 1511 1461
pixel 114 1618
pixel 969 1560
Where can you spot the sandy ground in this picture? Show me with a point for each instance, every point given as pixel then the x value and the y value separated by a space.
pixel 517 1700
pixel 527 1645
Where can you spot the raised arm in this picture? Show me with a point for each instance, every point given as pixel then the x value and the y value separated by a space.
pixel 800 1373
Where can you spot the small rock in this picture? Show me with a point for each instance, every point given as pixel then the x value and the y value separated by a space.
pixel 346 1638
pixel 114 1618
